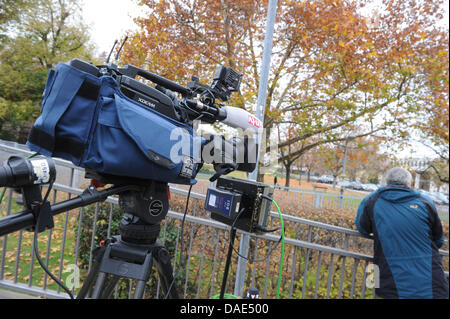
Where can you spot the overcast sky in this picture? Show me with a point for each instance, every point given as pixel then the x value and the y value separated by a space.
pixel 109 19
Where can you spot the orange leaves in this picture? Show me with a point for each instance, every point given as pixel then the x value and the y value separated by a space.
pixel 330 58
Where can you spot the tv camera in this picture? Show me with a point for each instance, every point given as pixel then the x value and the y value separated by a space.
pixel 145 202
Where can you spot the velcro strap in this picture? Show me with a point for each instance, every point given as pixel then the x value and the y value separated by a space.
pixel 59 144
pixel 42 139
pixel 89 90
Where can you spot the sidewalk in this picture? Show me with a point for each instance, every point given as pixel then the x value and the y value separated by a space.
pixel 7 294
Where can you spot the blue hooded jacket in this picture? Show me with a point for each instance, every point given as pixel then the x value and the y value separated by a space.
pixel 407 235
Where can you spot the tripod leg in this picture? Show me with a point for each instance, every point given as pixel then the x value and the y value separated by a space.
pixel 139 290
pixel 227 263
pixel 165 272
pixel 99 285
pixel 89 281
pixel 110 284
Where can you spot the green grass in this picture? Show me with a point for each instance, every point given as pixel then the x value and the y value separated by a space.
pixel 18 267
pixel 333 201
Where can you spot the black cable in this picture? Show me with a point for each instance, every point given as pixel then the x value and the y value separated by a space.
pixel 181 244
pixel 35 245
pixel 265 230
pixel 50 186
pixel 199 117
pixel 251 260
pixel 191 109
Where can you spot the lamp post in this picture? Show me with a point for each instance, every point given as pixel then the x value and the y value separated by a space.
pixel 260 109
pixel 341 197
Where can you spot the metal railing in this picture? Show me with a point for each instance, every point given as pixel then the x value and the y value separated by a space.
pixel 321 260
pixel 321 199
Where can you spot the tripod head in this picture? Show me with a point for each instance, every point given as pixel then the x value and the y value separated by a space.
pixel 146 204
pixel 144 211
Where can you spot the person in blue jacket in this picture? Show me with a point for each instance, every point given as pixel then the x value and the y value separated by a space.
pixel 407 235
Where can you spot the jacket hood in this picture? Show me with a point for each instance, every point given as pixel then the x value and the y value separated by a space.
pixel 397 193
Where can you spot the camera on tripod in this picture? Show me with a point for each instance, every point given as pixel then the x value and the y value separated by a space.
pixel 87 109
pixel 120 131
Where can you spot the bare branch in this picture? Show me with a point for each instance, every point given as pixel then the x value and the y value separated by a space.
pixel 313 145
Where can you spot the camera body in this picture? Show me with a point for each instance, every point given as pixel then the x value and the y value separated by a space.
pixel 112 98
pixel 231 195
pixel 162 98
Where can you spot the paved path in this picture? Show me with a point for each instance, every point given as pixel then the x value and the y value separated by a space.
pixel 7 294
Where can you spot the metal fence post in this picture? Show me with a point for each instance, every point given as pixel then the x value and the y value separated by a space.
pixel 318 199
pixel 260 109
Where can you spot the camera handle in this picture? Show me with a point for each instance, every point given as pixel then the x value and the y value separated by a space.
pixel 41 210
pixel 26 219
pixel 133 72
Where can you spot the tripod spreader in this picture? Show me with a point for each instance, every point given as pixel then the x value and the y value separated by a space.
pixel 26 219
pixel 118 258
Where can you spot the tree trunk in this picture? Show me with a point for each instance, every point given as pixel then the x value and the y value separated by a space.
pixel 334 181
pixel 288 174
pixel 260 177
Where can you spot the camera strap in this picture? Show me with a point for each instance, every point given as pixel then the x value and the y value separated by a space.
pixel 45 136
pixel 222 169
pixel 60 143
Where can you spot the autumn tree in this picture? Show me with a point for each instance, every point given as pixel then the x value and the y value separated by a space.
pixel 357 153
pixel 360 70
pixel 375 166
pixel 335 64
pixel 314 161
pixel 439 171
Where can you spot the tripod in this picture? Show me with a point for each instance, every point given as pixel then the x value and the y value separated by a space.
pixel 118 257
pixel 131 254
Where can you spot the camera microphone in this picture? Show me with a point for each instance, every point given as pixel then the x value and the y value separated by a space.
pixel 240 118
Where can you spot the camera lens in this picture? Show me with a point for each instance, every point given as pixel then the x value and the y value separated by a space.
pixel 19 171
pixel 5 176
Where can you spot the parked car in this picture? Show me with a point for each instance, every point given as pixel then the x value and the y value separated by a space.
pixel 371 187
pixel 442 197
pixel 325 179
pixel 433 197
pixel 344 183
pixel 357 186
